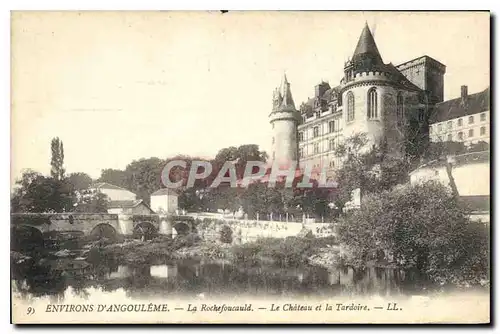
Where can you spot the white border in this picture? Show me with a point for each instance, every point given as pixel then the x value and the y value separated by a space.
pixel 180 5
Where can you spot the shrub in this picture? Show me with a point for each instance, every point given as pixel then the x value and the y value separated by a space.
pixel 424 229
pixel 226 234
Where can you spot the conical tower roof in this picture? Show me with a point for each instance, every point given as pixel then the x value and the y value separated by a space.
pixel 366 56
pixel 286 94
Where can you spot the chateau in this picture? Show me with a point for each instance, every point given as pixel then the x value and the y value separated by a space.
pixel 392 104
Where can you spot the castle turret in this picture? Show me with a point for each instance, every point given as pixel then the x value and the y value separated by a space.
pixel 284 120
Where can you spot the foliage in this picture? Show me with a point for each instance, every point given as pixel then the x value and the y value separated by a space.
pixel 114 176
pixel 37 193
pixel 144 177
pixel 90 201
pixel 420 228
pixel 226 234
pixel 288 252
pixel 438 150
pixel 79 180
pixel 370 169
pixel 57 159
pixel 240 156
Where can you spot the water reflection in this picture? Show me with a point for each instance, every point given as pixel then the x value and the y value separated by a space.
pixel 195 278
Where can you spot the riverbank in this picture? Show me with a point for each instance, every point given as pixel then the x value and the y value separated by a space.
pixel 285 252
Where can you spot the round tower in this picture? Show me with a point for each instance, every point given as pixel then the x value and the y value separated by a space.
pixel 284 120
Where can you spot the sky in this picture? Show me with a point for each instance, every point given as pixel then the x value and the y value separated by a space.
pixel 120 86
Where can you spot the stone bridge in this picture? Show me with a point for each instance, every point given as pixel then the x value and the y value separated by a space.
pixel 103 224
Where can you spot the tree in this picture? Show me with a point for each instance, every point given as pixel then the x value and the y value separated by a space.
pixel 240 156
pixel 79 180
pixel 226 234
pixel 90 201
pixel 420 228
pixel 37 193
pixel 116 177
pixel 144 177
pixel 57 159
pixel 369 168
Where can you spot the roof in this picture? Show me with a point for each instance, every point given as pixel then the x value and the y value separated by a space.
pixel 366 55
pixel 476 203
pixel 400 78
pixel 164 191
pixel 105 185
pixel 454 108
pixel 286 94
pixel 458 160
pixel 423 58
pixel 125 204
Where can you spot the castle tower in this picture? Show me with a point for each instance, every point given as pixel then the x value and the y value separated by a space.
pixel 377 98
pixel 284 119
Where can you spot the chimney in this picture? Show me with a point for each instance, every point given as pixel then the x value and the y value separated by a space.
pixel 464 93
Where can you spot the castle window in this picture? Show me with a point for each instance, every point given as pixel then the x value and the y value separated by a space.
pixel 483 117
pixel 301 152
pixel 274 155
pixel 273 140
pixel 316 148
pixel 449 137
pixel 421 115
pixel 460 135
pixel 315 132
pixel 440 128
pixel 460 122
pixel 301 136
pixel 331 126
pixel 400 108
pixel 471 119
pixel 332 164
pixel 483 130
pixel 372 104
pixel 350 107
pixel 471 133
pixel 448 124
pixel 331 144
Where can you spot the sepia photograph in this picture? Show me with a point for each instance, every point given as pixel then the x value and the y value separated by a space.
pixel 250 167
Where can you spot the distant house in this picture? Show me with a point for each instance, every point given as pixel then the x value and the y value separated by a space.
pixel 121 200
pixel 113 192
pixel 464 119
pixel 130 207
pixel 471 173
pixel 164 200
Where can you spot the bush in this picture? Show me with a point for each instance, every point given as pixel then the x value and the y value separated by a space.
pixel 288 252
pixel 420 228
pixel 226 234
pixel 188 240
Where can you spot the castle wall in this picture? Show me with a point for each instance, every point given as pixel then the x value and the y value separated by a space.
pixel 361 124
pixel 427 74
pixel 285 140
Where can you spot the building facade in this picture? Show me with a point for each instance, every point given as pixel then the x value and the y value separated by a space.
pixel 164 201
pixel 464 119
pixel 474 192
pixel 114 193
pixel 378 99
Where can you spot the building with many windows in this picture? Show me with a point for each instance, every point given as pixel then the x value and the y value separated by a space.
pixel 372 97
pixel 464 119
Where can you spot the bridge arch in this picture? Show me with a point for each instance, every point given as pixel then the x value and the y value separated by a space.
pixel 182 227
pixel 25 237
pixel 145 230
pixel 103 230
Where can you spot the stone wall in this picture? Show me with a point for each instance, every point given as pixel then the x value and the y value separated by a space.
pixel 250 230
